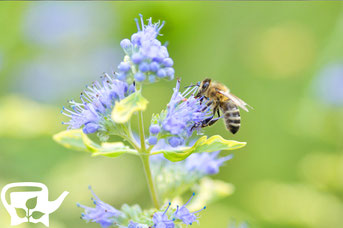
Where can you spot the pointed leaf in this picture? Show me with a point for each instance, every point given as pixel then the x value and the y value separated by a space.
pixel 124 109
pixel 37 214
pixel 203 144
pixel 31 203
pixel 113 150
pixel 76 139
pixel 217 142
pixel 21 212
pixel 71 139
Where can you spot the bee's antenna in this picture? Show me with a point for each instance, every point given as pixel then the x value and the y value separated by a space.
pixel 198 83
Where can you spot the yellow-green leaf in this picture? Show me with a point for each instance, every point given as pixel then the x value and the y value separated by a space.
pixel 203 144
pixel 124 109
pixel 71 139
pixel 76 139
pixel 216 143
pixel 113 150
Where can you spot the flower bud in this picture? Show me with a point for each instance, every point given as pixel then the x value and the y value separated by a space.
pixel 154 129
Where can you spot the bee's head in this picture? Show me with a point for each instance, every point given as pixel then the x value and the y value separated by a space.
pixel 203 87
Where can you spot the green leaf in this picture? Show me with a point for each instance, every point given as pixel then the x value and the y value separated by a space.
pixel 31 203
pixel 21 212
pixel 113 150
pixel 37 214
pixel 124 109
pixel 71 139
pixel 76 139
pixel 203 144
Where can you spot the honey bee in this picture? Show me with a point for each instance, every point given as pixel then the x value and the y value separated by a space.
pixel 221 99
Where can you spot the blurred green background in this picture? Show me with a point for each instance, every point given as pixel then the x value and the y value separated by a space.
pixel 284 58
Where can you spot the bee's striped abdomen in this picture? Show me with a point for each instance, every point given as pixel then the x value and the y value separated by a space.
pixel 232 117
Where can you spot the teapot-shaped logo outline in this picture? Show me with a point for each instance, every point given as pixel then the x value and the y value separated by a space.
pixel 41 208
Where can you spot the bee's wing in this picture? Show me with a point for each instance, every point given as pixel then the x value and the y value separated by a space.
pixel 239 102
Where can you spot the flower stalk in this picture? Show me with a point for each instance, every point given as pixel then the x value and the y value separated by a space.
pixel 144 154
pixel 150 180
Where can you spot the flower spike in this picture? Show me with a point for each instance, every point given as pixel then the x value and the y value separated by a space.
pixel 97 102
pixel 146 58
pixel 182 117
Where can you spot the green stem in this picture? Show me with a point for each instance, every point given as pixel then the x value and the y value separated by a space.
pixel 141 131
pixel 146 164
pixel 153 193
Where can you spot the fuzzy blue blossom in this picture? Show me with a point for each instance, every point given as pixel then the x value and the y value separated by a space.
pixel 103 213
pixel 97 101
pixel 152 140
pixel 183 115
pixel 185 215
pixel 145 54
pixel 197 164
pixel 154 129
pixel 171 176
pixel 161 220
pixel 206 163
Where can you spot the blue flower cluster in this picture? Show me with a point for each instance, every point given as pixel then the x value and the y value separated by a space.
pixel 161 219
pixel 179 121
pixel 197 164
pixel 97 102
pixel 206 163
pixel 103 213
pixel 146 57
pixel 170 176
pixel 106 215
pixel 187 217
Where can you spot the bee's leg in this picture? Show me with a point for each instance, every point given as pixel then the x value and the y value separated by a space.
pixel 213 121
pixel 207 105
pixel 202 124
pixel 210 121
pixel 202 98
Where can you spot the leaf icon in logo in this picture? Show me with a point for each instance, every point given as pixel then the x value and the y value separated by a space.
pixel 37 214
pixel 31 203
pixel 21 212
